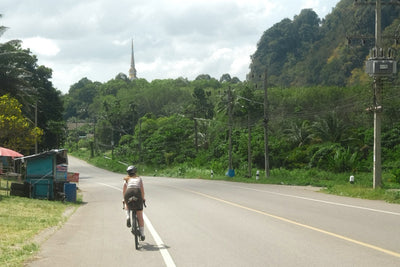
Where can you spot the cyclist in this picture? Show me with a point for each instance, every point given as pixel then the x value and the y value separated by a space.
pixel 133 186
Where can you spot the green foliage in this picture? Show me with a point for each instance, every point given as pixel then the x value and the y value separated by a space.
pixel 344 161
pixel 335 158
pixel 330 129
pixel 170 142
pixel 335 183
pixel 316 121
pixel 307 50
pixel 297 158
pixel 16 131
pixel 22 79
pixel 358 191
pixel 299 134
pixel 81 95
pixel 310 127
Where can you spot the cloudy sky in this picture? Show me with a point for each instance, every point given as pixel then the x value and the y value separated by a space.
pixel 175 38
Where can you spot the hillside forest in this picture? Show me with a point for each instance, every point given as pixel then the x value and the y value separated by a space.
pixel 318 99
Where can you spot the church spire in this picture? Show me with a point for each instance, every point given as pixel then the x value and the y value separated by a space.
pixel 132 70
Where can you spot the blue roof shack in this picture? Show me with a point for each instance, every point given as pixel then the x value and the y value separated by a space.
pixel 46 173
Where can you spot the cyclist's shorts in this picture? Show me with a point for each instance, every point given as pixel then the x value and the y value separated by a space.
pixel 137 204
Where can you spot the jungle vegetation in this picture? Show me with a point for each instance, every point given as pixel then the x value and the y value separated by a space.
pixel 318 102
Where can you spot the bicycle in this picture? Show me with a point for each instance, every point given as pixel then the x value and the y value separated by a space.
pixel 135 225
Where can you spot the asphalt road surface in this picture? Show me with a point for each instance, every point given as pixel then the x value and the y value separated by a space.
pixel 215 223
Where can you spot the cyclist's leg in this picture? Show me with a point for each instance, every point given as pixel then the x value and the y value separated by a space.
pixel 128 205
pixel 127 211
pixel 128 218
pixel 139 214
pixel 140 218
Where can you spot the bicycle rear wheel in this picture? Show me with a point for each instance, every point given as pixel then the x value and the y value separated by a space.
pixel 135 229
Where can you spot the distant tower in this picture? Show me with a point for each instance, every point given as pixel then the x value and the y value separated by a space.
pixel 132 70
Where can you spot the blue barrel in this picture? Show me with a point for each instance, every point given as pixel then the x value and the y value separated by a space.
pixel 70 192
pixel 230 173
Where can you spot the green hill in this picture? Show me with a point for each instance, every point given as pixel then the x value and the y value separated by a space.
pixel 308 51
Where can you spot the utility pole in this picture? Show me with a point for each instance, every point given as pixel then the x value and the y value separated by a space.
pixel 196 138
pixel 266 119
pixel 112 142
pixel 378 66
pixel 230 124
pixel 377 167
pixel 36 124
pixel 140 139
pixel 248 145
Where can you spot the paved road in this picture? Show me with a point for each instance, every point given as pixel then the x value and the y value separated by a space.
pixel 214 223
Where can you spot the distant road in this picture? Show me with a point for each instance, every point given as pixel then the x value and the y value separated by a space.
pixel 215 223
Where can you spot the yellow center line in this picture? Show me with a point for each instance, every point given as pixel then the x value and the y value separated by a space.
pixel 389 252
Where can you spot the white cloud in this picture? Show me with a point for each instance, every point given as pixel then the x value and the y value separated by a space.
pixel 41 46
pixel 241 60
pixel 176 38
pixel 320 7
pixel 120 42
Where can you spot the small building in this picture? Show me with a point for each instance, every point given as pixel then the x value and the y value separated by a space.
pixel 46 173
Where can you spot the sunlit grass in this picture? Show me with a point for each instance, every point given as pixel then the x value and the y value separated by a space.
pixel 329 182
pixel 357 191
pixel 20 220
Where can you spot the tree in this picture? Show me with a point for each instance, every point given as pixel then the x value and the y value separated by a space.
pixel 24 80
pixel 203 107
pixel 299 134
pixel 81 95
pixel 200 109
pixel 225 78
pixel 16 132
pixel 49 110
pixel 331 128
pixel 249 108
pixel 15 66
pixel 166 140
pixel 309 51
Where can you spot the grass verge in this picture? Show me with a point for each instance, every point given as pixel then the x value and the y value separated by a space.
pixel 21 219
pixel 331 183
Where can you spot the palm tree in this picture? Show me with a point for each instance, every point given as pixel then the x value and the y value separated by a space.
pixel 300 134
pixel 331 128
pixel 250 110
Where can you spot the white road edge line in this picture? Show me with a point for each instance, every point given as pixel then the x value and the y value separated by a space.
pixel 321 201
pixel 160 244
pixel 163 249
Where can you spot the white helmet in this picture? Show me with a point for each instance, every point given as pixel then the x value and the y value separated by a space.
pixel 131 170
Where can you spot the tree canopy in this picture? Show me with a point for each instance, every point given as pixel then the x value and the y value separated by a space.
pixel 16 131
pixel 24 80
pixel 308 51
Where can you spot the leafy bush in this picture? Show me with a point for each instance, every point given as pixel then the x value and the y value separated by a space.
pixel 344 160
